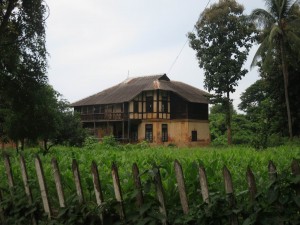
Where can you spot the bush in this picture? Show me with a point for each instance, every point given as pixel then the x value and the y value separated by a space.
pixel 109 141
pixel 220 141
pixel 90 142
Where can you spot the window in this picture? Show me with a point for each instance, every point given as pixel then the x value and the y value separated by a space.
pixel 135 106
pixel 134 133
pixel 97 109
pixel 149 104
pixel 84 110
pixel 77 109
pixel 164 104
pixel 164 132
pixel 194 135
pixel 149 132
pixel 135 136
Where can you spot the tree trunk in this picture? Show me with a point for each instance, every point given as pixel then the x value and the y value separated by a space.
pixel 228 119
pixel 285 73
pixel 45 145
pixel 22 144
pixel 9 9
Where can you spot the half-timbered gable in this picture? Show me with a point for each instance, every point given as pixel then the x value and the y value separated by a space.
pixel 151 108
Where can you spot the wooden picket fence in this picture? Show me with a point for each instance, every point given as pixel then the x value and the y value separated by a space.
pixel 295 169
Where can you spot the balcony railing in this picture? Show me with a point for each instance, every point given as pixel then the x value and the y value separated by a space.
pixel 104 116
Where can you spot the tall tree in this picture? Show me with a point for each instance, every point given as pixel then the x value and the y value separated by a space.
pixel 222 41
pixel 279 37
pixel 23 59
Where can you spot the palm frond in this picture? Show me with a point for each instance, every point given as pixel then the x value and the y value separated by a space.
pixel 260 51
pixel 272 7
pixel 284 8
pixel 294 42
pixel 294 11
pixel 294 26
pixel 274 33
pixel 262 18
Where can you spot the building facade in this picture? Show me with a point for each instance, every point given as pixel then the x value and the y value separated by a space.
pixel 151 108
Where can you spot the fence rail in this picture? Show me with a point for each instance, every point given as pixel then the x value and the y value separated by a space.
pixel 99 198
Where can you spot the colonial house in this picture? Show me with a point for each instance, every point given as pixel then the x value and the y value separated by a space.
pixel 151 108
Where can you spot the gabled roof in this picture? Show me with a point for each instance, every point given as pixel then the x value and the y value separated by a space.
pixel 133 86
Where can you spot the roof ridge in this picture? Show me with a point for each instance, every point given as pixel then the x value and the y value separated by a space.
pixel 132 86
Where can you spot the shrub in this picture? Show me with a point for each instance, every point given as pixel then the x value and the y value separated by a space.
pixel 90 142
pixel 109 141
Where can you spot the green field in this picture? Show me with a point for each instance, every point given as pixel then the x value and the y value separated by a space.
pixel 236 158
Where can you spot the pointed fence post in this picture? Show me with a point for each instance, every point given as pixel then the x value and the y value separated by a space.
pixel 43 186
pixel 230 194
pixel 160 194
pixel 2 218
pixel 26 186
pixel 77 181
pixel 58 183
pixel 138 185
pixel 272 171
pixel 117 189
pixel 97 187
pixel 181 187
pixel 203 184
pixel 251 184
pixel 296 172
pixel 8 170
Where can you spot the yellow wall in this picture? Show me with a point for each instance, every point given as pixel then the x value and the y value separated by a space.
pixel 179 132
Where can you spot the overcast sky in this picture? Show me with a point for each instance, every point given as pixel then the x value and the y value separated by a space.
pixel 95 44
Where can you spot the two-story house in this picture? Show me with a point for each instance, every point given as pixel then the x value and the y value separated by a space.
pixel 151 108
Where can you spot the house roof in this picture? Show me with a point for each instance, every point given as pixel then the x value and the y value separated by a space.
pixel 131 87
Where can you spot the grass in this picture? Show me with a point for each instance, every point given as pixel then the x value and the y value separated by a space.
pixel 236 158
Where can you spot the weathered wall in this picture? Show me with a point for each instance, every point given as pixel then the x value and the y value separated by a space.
pixel 179 132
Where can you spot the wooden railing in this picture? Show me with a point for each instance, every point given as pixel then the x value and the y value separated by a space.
pixel 99 198
pixel 104 116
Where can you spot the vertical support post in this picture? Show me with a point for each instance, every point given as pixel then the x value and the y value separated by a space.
pixel 97 186
pixel 26 186
pixel 43 186
pixel 203 184
pixel 123 130
pixel 251 184
pixel 117 189
pixel 77 181
pixel 157 104
pixel 160 195
pixel 181 187
pixel 143 105
pixel 58 183
pixel 128 130
pixel 230 194
pixel 138 185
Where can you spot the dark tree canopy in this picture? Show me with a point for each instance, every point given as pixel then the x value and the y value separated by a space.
pixel 279 39
pixel 23 62
pixel 222 41
pixel 22 42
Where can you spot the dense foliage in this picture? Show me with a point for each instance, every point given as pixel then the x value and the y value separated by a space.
pixel 30 109
pixel 272 199
pixel 279 39
pixel 222 42
pixel 271 107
